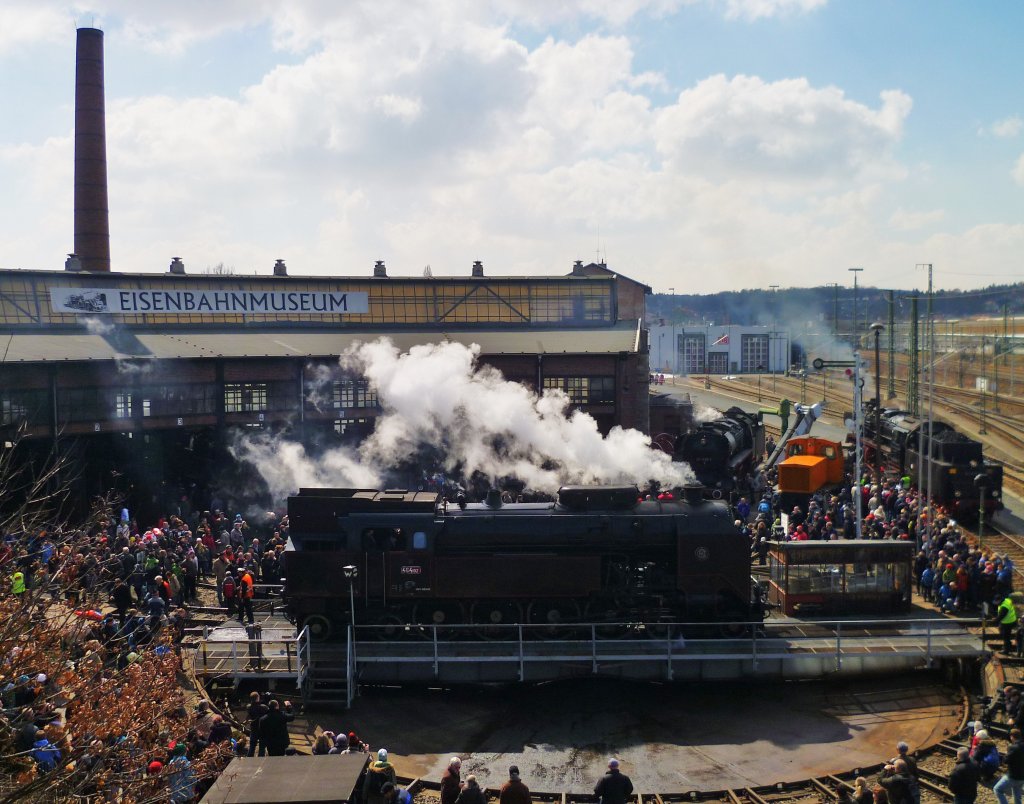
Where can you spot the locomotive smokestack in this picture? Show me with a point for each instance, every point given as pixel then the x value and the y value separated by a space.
pixel 92 225
pixel 493 499
pixel 693 493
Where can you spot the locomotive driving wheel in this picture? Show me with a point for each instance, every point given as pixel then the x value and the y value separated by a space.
pixel 439 613
pixel 495 613
pixel 320 628
pixel 553 613
pixel 390 626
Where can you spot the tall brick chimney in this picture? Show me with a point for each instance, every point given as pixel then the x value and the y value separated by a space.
pixel 92 225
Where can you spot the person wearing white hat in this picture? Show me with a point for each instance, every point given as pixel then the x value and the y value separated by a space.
pixel 377 775
pixel 615 786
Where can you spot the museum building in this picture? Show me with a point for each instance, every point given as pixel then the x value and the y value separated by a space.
pixel 154 370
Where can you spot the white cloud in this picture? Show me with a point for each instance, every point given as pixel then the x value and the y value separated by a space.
pixel 786 129
pixel 405 109
pixel 431 134
pixel 760 9
pixel 1018 171
pixel 23 24
pixel 907 220
pixel 303 25
pixel 1007 128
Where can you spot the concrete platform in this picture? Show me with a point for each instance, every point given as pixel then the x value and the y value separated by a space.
pixel 669 737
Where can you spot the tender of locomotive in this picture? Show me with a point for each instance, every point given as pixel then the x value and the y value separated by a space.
pixel 724 452
pixel 599 554
pixel 902 444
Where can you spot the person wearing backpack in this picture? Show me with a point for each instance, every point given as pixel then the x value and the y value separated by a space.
pixel 985 754
pixel 377 775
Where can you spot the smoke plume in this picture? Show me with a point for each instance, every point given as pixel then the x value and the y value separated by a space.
pixel 436 395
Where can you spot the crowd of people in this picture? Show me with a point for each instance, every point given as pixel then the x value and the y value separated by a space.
pixel 114 597
pixel 950 570
pixel 151 575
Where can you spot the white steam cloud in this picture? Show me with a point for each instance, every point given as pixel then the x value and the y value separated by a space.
pixel 96 326
pixel 436 395
pixel 705 413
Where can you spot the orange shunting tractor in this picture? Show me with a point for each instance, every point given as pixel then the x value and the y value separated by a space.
pixel 811 464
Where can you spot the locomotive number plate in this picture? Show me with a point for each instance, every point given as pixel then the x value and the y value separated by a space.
pixel 701 554
pixel 411 570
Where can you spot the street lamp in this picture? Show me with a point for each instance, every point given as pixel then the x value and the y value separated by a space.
pixel 351 572
pixel 981 481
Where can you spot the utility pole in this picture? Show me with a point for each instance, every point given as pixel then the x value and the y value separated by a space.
pixel 892 345
pixel 929 333
pixel 912 386
pixel 773 362
pixel 984 387
pixel 835 307
pixel 856 338
pixel 858 412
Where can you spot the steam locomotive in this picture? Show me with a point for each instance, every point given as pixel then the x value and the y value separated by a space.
pixel 598 555
pixel 901 444
pixel 725 451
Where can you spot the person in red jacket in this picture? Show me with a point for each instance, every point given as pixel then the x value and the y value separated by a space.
pixel 514 791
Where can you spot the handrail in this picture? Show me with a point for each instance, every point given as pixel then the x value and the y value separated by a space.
pixel 601 643
pixel 920 637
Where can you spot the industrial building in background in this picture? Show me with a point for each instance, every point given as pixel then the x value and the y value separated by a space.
pixel 719 349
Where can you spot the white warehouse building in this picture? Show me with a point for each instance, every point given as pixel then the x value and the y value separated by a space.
pixel 718 349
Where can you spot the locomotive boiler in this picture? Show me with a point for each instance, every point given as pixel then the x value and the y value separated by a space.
pixel 724 452
pixel 598 555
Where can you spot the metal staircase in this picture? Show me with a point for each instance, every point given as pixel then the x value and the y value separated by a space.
pixel 326 671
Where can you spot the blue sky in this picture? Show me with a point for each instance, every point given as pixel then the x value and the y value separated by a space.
pixel 697 144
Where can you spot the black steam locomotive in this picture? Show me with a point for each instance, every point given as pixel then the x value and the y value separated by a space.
pixel 597 555
pixel 724 452
pixel 901 443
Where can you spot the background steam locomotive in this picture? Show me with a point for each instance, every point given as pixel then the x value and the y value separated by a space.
pixel 598 554
pixel 901 444
pixel 724 452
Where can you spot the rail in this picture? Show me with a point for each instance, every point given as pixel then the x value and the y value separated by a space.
pixel 674 644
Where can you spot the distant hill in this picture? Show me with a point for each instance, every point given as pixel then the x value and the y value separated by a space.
pixel 759 306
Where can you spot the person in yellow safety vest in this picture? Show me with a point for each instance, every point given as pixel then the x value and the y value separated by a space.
pixel 1006 615
pixel 18 583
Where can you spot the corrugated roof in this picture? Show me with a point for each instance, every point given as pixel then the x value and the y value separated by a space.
pixel 49 347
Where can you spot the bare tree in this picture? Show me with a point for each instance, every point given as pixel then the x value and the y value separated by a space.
pixel 86 711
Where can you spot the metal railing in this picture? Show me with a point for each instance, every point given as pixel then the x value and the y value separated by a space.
pixel 303 644
pixel 265 656
pixel 672 643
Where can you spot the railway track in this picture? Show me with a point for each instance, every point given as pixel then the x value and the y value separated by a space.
pixel 934 764
pixel 1004 543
